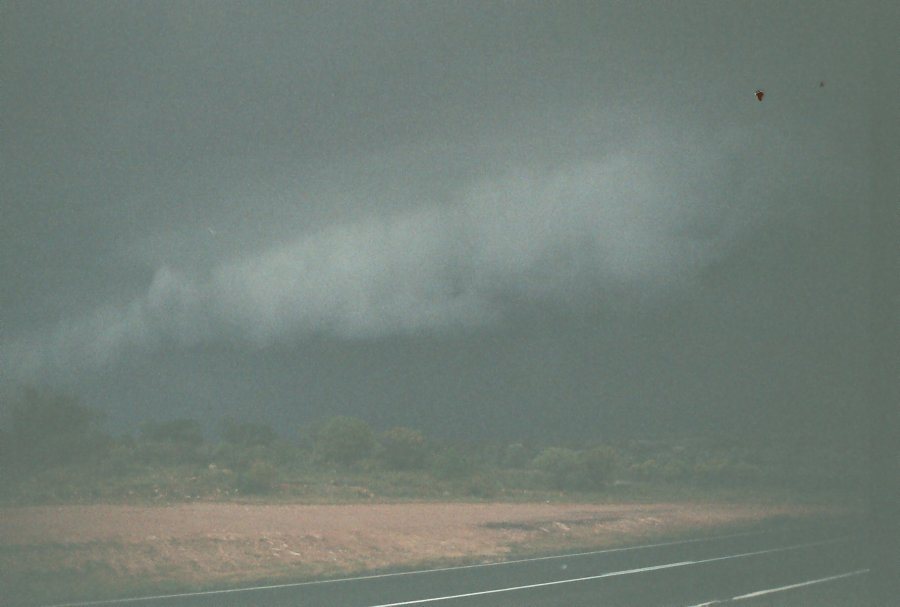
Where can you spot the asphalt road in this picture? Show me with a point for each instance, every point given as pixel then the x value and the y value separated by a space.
pixel 753 566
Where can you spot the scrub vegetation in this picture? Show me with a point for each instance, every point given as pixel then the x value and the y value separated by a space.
pixel 53 450
pixel 173 507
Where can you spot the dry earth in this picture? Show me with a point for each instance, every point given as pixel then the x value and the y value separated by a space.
pixel 218 543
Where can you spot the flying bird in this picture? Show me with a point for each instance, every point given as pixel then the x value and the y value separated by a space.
pixel 760 94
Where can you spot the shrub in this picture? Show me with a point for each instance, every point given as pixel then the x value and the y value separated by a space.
pixel 185 432
pixel 563 467
pixel 247 434
pixel 480 486
pixel 711 470
pixel 600 465
pixel 259 478
pixel 49 430
pixel 403 448
pixel 234 455
pixel 344 440
pixel 515 456
pixel 675 469
pixel 5 450
pixel 178 441
pixel 453 464
pixel 646 470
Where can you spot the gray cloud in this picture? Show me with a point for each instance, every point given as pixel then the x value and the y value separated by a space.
pixel 206 207
pixel 641 217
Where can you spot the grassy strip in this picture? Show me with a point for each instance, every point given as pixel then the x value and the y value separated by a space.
pixel 155 485
pixel 97 579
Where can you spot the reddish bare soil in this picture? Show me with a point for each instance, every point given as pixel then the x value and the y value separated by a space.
pixel 208 543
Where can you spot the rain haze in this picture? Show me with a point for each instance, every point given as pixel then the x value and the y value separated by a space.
pixel 566 303
pixel 510 218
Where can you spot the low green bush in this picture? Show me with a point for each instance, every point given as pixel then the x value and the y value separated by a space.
pixel 452 464
pixel 247 434
pixel 515 456
pixel 403 449
pixel 563 468
pixel 567 469
pixel 344 440
pixel 257 479
pixel 600 466
pixel 480 486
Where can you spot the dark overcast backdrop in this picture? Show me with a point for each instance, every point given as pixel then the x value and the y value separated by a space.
pixel 509 219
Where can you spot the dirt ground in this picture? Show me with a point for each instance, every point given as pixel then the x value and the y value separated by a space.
pixel 220 543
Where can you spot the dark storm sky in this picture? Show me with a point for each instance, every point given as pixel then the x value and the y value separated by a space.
pixel 494 219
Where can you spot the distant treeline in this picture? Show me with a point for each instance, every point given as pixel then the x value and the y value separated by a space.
pixel 53 449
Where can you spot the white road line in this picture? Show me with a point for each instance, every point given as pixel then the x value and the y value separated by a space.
pixel 402 573
pixel 609 574
pixel 540 585
pixel 782 549
pixel 800 585
pixel 784 588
